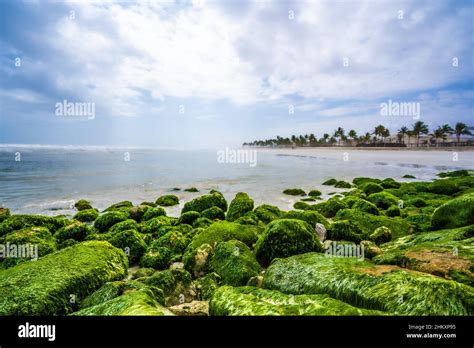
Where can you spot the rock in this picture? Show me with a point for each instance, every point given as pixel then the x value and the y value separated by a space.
pixel 44 287
pixel 239 206
pixel 191 189
pixel 107 220
pixel 205 286
pixel 371 187
pixel 194 308
pixel 330 182
pixel 189 217
pixel 214 213
pixel 294 192
pixel 234 262
pixel 82 204
pixel 167 200
pixel 345 230
pixel 76 230
pixel 359 181
pixel 18 222
pixel 87 215
pixel 342 184
pixel 176 284
pixel 204 202
pixel 443 187
pixel 457 212
pixel 321 231
pixel 131 242
pixel 4 214
pixel 386 288
pixel 153 212
pixel 314 193
pixel 253 301
pixel 383 200
pixel 381 235
pixel 311 217
pixel 256 281
pixel 330 207
pixel 156 257
pixel 409 176
pixel 286 237
pixel 370 249
pixel 267 213
pixel 177 265
pixel 366 207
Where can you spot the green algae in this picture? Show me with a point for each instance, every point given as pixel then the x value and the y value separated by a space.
pixel 239 206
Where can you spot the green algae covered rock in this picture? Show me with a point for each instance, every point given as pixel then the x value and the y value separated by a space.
pixel 156 257
pixel 76 230
pixel 342 184
pixel 155 225
pixel 134 302
pixel 409 176
pixel 330 182
pixel 457 212
pixel 239 206
pixel 124 226
pixel 206 285
pixel 361 283
pixel 393 211
pixel 38 238
pixel 4 214
pixel 167 200
pixel 214 213
pixel 383 200
pixel 153 212
pixel 390 183
pixel 330 207
pixel 301 205
pixel 44 287
pixel 311 217
pixel 253 301
pixel 345 230
pixel 366 207
pixel 420 222
pixel 234 262
pixel 82 204
pixel 286 237
pixel 202 244
pixel 443 187
pixel 191 189
pixel 381 235
pixel 199 204
pixel 314 193
pixel 87 215
pixel 176 285
pixel 371 187
pixel 444 253
pixel 131 242
pixel 454 173
pixel 267 213
pixel 294 192
pixel 119 205
pixel 107 220
pixel 18 222
pixel 367 223
pixel 189 217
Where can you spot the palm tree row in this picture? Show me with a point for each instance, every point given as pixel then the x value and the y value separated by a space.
pixel 377 136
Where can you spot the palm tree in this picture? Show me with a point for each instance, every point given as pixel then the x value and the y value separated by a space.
pixel 447 130
pixel 339 133
pixel 378 131
pixel 461 129
pixel 438 133
pixel 419 128
pixel 410 134
pixel 353 135
pixel 403 131
pixel 312 139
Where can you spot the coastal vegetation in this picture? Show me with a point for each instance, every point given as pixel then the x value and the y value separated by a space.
pixel 379 136
pixel 378 247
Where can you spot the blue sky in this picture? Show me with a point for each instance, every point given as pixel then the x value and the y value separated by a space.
pixel 236 67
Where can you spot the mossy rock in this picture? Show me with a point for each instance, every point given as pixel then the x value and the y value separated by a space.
pixel 311 217
pixel 87 215
pixel 131 303
pixel 152 213
pixel 202 245
pixel 143 272
pixel 234 262
pixel 189 217
pixel 174 240
pixel 76 230
pixel 4 214
pixel 421 222
pixel 294 192
pixel 454 173
pixel 383 200
pixel 202 222
pixel 167 200
pixel 119 205
pixel 416 202
pixel 409 176
pixel 368 222
pixel 390 183
pixel 45 287
pixel 191 189
pixel 314 193
pixel 155 225
pixel 239 206
pixel 301 205
pixel 355 193
pixel 330 207
pixel 342 184
pixel 206 285
pixel 359 181
pixel 248 300
pixel 131 242
pixel 82 204
pixel 124 226
pixel 26 239
pixel 137 213
pixel 361 283
pixel 18 222
pixel 199 204
pixel 371 249
pixel 330 182
pixel 267 213
pixel 214 213
pixel 107 220
pixel 371 187
pixel 156 257
pixel 444 253
pixel 381 235
pixel 443 187
pixel 457 212
pixel 176 284
pixel 366 207
pixel 286 237
pixel 345 230
pixel 309 199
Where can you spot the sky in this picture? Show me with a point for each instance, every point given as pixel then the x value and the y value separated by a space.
pixel 207 74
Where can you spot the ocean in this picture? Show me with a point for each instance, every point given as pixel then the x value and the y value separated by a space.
pixel 49 179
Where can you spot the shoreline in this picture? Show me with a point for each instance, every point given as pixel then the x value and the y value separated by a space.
pixel 354 148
